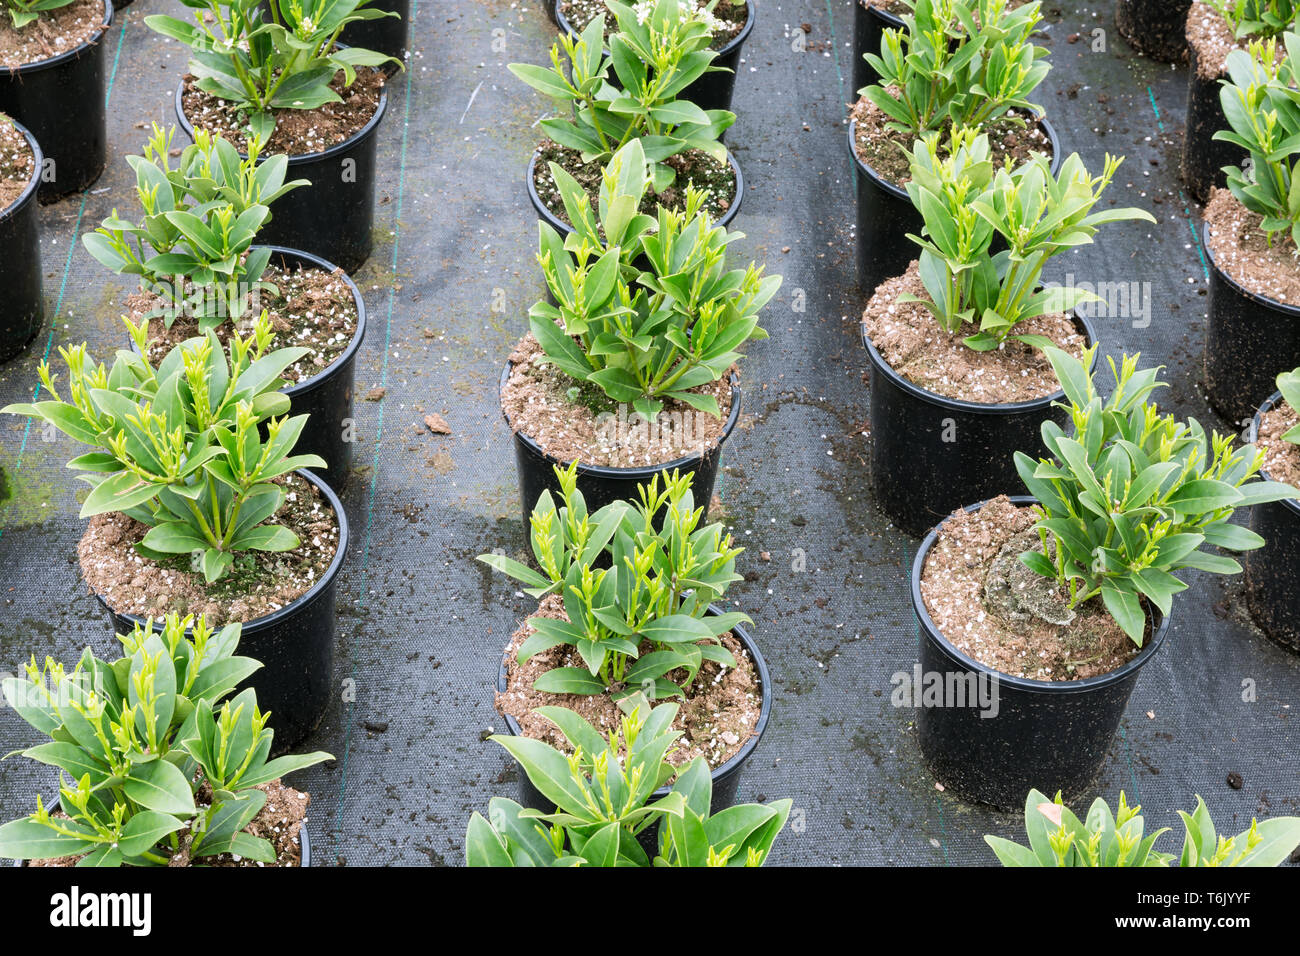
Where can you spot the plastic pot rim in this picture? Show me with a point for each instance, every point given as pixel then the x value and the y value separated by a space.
pixel 891 20
pixel 733 763
pixel 311 384
pixel 899 192
pixel 878 363
pixel 1284 308
pixel 1291 504
pixel 640 471
pixel 29 193
pixel 301 158
pixel 566 27
pixel 61 58
pixel 563 228
pixel 276 617
pixel 1081 685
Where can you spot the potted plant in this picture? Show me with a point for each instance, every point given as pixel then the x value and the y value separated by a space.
pixel 163 769
pixel 1214 29
pixel 612 805
pixel 194 511
pixel 1052 604
pixel 655 61
pixel 1271 570
pixel 58 96
pixel 1250 234
pixel 251 68
pixel 629 370
pixel 20 249
pixel 957 63
pixel 958 378
pixel 1155 28
pixel 729 24
pixel 627 617
pixel 1058 838
pixel 385 27
pixel 201 268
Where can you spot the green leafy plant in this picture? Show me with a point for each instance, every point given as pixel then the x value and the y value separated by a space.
pixel 1263 110
pixel 655 58
pixel 194 246
pixel 965 205
pixel 179 448
pixel 1131 496
pixel 1058 838
pixel 644 336
pixel 1288 383
pixel 958 63
pixel 665 570
pixel 25 12
pixel 602 793
pixel 159 764
pixel 261 64
pixel 1256 18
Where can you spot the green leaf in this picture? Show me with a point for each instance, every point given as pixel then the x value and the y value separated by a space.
pixel 160 786
pixel 26 839
pixel 569 680
pixel 143 831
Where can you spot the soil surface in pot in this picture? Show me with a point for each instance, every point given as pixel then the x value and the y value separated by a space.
pixel 693 168
pixel 17 164
pixel 716 719
pixel 54 33
pixel 888 151
pixel 310 308
pixel 992 608
pixel 1281 457
pixel 916 347
pixel 535 399
pixel 1242 251
pixel 279 822
pixel 297 132
pixel 731 17
pixel 259 583
pixel 1210 39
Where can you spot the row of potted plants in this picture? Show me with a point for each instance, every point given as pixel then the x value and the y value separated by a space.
pixel 619 400
pixel 208 431
pixel 1056 598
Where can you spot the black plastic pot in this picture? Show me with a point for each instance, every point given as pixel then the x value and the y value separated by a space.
pixel 1204 156
pixel 387 35
pixel 1155 28
pixel 334 217
pixel 563 228
pixel 1049 735
pixel 1249 340
pixel 61 101
pixel 726 778
pixel 712 91
pixel 929 453
pixel 1273 571
pixel 295 645
pixel 601 485
pixel 869 26
pixel 886 216
pixel 22 306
